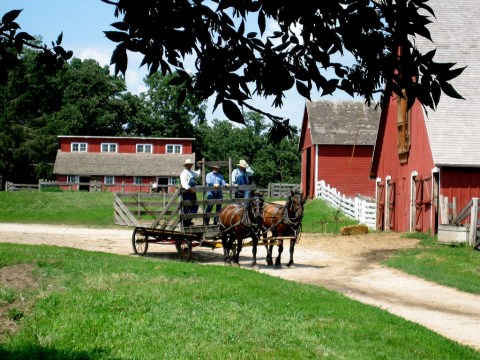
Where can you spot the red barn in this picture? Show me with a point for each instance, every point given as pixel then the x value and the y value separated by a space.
pixel 115 160
pixel 419 156
pixel 336 142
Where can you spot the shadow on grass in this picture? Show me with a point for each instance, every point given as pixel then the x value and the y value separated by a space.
pixel 38 352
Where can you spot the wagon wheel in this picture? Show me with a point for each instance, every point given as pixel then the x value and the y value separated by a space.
pixel 139 241
pixel 184 249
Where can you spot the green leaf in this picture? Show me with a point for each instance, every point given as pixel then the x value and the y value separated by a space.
pixel 116 36
pixel 303 90
pixel 448 89
pixel 232 112
pixel 10 16
pixel 59 38
pixel 261 21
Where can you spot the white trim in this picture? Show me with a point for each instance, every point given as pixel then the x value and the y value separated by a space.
pixel 108 144
pixel 79 144
pixel 386 225
pixel 316 169
pixel 143 148
pixel 76 179
pixel 174 146
pixel 412 206
pixel 109 176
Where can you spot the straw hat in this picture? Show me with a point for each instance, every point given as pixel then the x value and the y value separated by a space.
pixel 188 162
pixel 215 167
pixel 242 163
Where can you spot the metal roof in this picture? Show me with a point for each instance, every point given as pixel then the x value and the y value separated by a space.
pixel 342 122
pixel 119 164
pixel 454 128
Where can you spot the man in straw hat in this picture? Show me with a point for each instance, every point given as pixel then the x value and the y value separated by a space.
pixel 214 178
pixel 187 181
pixel 240 176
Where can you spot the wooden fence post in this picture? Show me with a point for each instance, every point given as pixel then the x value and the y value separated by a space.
pixel 473 222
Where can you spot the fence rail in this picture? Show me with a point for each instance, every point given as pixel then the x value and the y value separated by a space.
pixel 273 190
pixel 361 208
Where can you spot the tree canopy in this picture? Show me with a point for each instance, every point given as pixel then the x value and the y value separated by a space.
pixel 234 64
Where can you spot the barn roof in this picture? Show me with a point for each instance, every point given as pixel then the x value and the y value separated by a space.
pixel 454 128
pixel 119 164
pixel 336 122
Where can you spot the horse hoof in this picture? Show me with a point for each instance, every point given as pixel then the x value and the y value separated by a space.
pixel 226 263
pixel 269 263
pixel 278 266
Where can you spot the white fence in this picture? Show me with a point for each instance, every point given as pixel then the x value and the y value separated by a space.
pixel 361 208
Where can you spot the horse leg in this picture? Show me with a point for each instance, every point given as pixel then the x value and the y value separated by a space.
pixel 236 254
pixel 226 249
pixel 290 264
pixel 254 253
pixel 278 260
pixel 269 251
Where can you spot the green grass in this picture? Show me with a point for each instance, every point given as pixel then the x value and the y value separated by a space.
pixel 102 306
pixel 321 218
pixel 69 208
pixel 454 266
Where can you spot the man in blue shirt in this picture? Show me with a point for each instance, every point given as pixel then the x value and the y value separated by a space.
pixel 214 178
pixel 241 176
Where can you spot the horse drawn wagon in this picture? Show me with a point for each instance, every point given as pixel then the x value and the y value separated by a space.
pixel 240 223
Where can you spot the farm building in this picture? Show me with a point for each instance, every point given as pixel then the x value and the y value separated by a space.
pixel 422 156
pixel 336 142
pixel 135 162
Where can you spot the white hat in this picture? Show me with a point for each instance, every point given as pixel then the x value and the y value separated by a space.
pixel 188 162
pixel 242 163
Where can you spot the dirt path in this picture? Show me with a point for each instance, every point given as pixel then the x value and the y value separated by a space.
pixel 346 264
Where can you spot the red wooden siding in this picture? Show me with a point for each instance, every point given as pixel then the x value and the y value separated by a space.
pixel 461 183
pixel 348 174
pixel 125 145
pixel 387 163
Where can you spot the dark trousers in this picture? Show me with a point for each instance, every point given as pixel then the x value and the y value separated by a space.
pixel 190 209
pixel 209 208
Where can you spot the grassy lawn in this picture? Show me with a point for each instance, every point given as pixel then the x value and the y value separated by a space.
pixel 454 266
pixel 69 208
pixel 88 305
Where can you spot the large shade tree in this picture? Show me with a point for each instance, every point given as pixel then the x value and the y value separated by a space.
pixel 234 64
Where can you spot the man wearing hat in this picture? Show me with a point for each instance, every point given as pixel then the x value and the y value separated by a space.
pixel 187 181
pixel 240 176
pixel 214 178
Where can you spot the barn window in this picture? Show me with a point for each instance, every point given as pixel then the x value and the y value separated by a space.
pixel 109 180
pixel 403 128
pixel 144 148
pixel 109 147
pixel 137 180
pixel 172 181
pixel 73 179
pixel 174 149
pixel 79 147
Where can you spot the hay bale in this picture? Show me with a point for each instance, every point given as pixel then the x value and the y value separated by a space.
pixel 354 230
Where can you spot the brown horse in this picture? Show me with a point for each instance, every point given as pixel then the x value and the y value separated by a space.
pixel 237 222
pixel 282 220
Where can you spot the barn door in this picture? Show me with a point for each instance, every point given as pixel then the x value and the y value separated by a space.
pixel 423 200
pixel 418 225
pixel 391 205
pixel 380 205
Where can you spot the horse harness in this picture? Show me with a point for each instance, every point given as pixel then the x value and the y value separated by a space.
pixel 245 220
pixel 294 223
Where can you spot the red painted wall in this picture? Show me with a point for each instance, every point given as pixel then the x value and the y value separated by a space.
pixel 126 145
pixel 388 163
pixel 461 183
pixel 349 174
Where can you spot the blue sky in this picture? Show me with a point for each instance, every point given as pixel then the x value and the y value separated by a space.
pixel 83 23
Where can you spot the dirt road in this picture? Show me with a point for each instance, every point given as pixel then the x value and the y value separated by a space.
pixel 350 265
